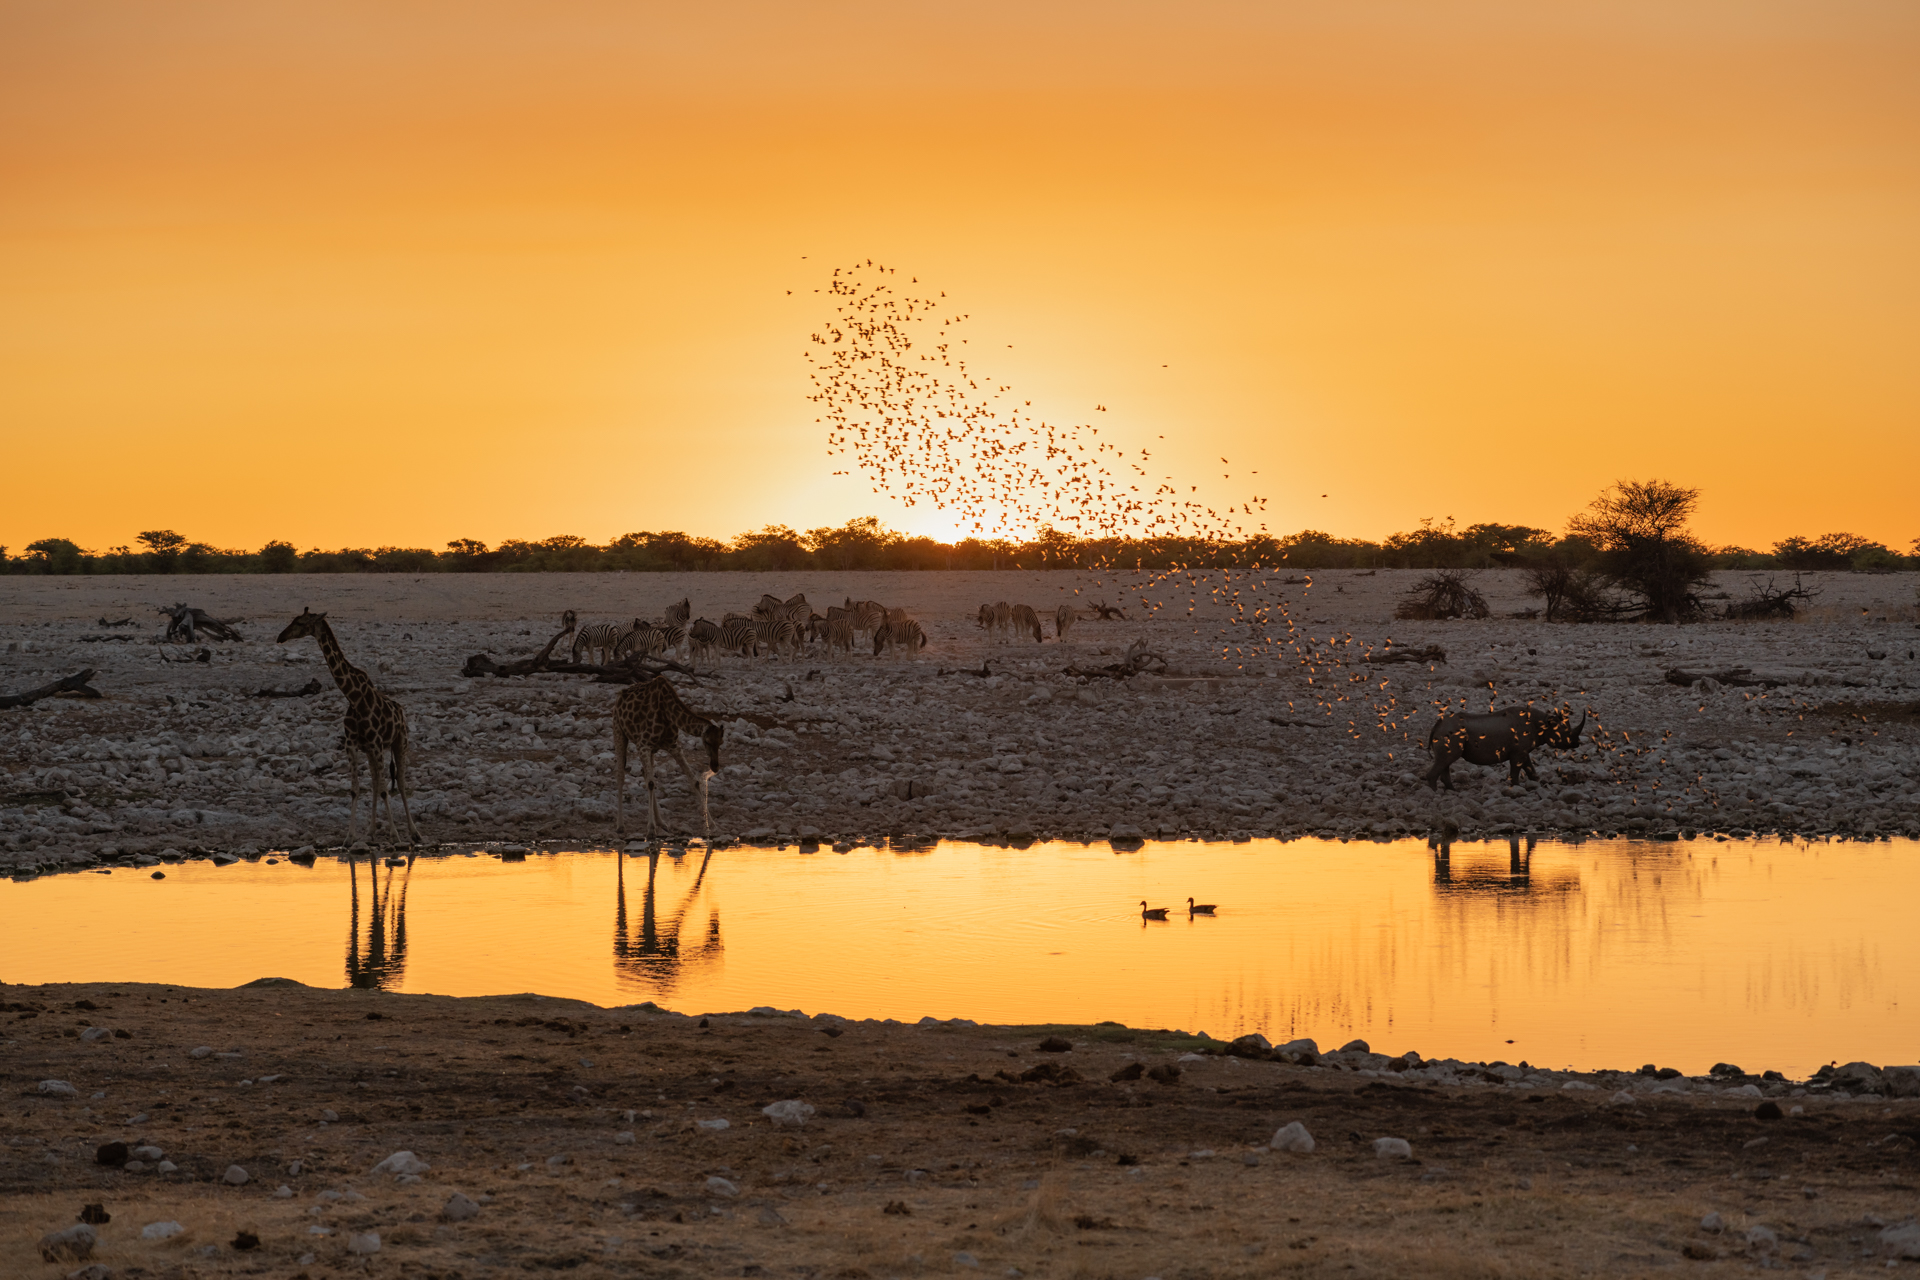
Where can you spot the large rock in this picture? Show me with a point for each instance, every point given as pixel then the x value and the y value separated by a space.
pixel 1858 1077
pixel 1293 1137
pixel 69 1244
pixel 1901 1082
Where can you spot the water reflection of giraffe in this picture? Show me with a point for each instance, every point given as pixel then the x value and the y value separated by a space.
pixel 656 956
pixel 382 962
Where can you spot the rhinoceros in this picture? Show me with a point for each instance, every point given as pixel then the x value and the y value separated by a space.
pixel 1508 736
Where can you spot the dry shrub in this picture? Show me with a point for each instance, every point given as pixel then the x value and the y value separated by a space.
pixel 1572 595
pixel 1446 594
pixel 1765 602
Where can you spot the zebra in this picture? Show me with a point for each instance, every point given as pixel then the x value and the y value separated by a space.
pixel 701 636
pixel 1026 622
pixel 736 635
pixel 986 621
pixel 600 636
pixel 775 632
pixel 680 613
pixel 644 640
pixel 1002 618
pixel 1063 619
pixel 839 632
pixel 867 614
pixel 905 633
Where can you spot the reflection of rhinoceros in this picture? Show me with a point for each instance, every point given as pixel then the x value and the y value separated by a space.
pixel 1499 736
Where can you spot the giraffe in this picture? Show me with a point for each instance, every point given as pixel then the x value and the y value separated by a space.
pixel 375 727
pixel 651 716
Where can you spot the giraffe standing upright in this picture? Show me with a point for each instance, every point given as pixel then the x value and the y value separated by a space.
pixel 375 727
pixel 651 716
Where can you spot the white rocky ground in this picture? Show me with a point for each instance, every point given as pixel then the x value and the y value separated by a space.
pixel 180 756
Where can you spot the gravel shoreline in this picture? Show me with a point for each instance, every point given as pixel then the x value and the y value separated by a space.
pixel 285 1129
pixel 1299 739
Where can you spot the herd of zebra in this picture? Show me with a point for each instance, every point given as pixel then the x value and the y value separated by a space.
pixel 774 625
pixel 787 627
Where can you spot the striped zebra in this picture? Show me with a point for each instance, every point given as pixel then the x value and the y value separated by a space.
pixel 839 632
pixel 987 622
pixel 598 637
pixel 736 636
pixel 1063 619
pixel 776 633
pixel 906 633
pixel 701 637
pixel 867 614
pixel 645 640
pixel 1026 622
pixel 1002 619
pixel 678 614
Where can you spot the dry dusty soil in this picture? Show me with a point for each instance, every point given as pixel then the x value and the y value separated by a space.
pixel 1277 734
pixel 587 1142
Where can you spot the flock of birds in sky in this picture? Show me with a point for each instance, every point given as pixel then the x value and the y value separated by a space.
pixel 906 403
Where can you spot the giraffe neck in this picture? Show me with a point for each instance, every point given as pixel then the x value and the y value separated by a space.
pixel 352 680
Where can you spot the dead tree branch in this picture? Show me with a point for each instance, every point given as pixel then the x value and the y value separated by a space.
pixel 1738 677
pixel 306 690
pixel 1137 660
pixel 185 621
pixel 76 683
pixel 1432 653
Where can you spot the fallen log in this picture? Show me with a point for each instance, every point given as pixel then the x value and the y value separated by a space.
pixel 185 620
pixel 1738 677
pixel 1104 612
pixel 624 672
pixel 306 690
pixel 75 683
pixel 1135 662
pixel 1297 724
pixel 1432 653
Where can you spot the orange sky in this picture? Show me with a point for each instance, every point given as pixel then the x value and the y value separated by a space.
pixel 358 274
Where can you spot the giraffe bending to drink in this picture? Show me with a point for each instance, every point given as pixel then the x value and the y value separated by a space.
pixel 651 716
pixel 376 727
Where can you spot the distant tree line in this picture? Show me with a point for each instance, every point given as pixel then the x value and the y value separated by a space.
pixel 1595 543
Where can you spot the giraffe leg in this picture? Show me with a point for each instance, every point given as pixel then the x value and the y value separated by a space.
pixel 377 766
pixel 619 783
pixel 653 800
pixel 353 812
pixel 400 778
pixel 699 792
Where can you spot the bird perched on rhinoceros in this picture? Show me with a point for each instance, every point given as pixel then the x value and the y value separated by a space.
pixel 1499 737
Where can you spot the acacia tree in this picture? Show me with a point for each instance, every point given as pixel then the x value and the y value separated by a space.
pixel 1639 528
pixel 165 546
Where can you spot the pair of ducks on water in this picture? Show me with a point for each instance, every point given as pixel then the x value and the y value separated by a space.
pixel 1160 913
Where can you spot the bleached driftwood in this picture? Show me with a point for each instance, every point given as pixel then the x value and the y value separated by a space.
pixel 75 683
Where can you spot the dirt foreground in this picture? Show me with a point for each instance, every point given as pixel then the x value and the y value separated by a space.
pixel 589 1141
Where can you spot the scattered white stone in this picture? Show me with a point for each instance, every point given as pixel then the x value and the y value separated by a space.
pixel 1578 1086
pixel 718 1186
pixel 93 1035
pixel 1901 1241
pixel 459 1208
pixel 624 1137
pixel 1293 1136
pixel 715 1125
pixel 283 1192
pixel 1388 1148
pixel 58 1089
pixel 402 1162
pixel 1745 1091
pixel 295 1167
pixel 149 1153
pixel 789 1114
pixel 1713 1224
pixel 329 1116
pixel 965 1259
pixel 202 1051
pixel 1761 1238
pixel 161 1230
pixel 166 1166
pixel 235 1175
pixel 1623 1099
pixel 364 1242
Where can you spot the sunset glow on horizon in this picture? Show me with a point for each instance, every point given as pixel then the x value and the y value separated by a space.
pixel 350 275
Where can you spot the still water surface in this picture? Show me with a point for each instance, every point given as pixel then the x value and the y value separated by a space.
pixel 1603 954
